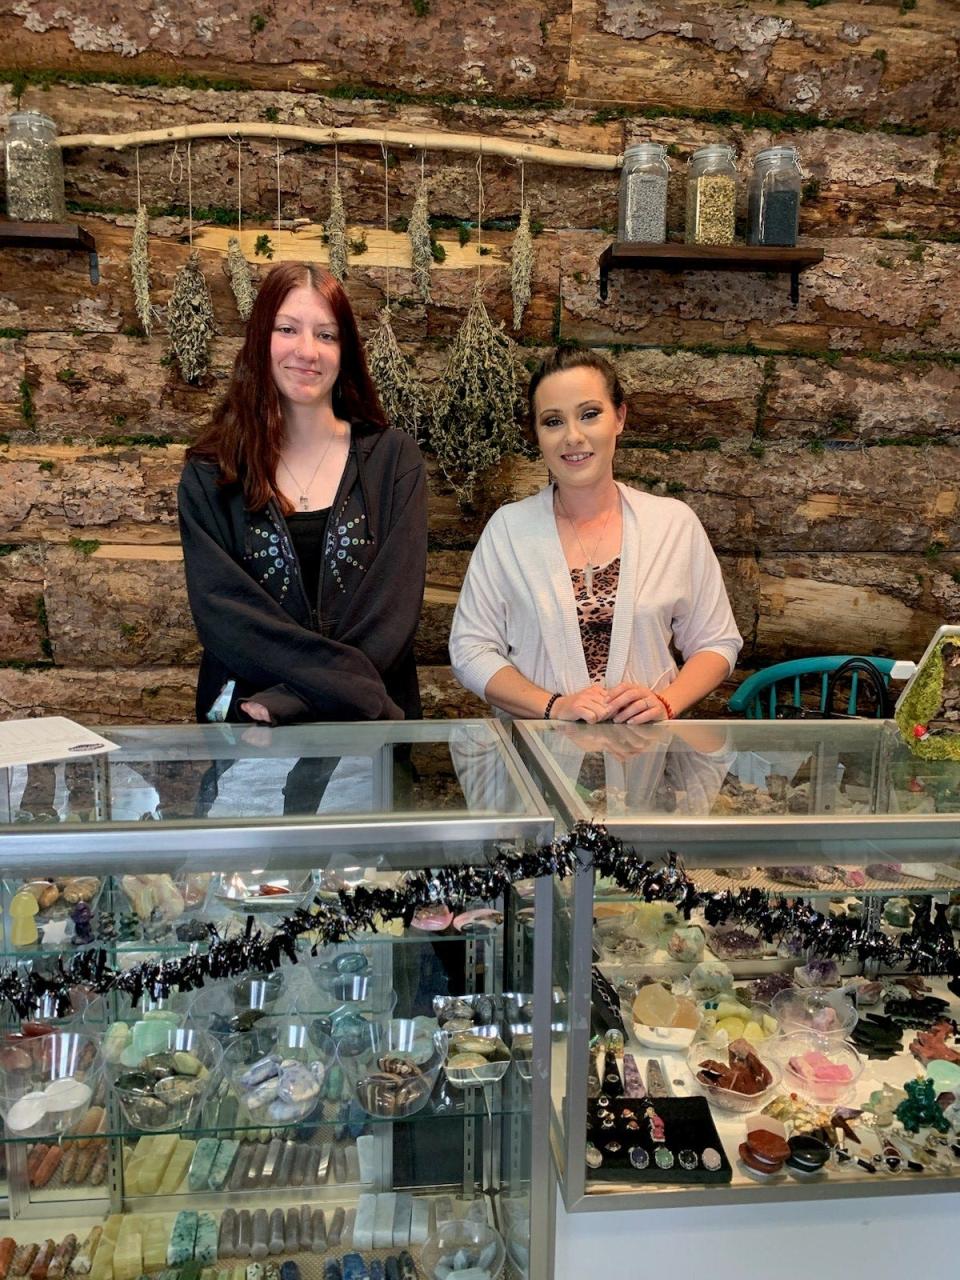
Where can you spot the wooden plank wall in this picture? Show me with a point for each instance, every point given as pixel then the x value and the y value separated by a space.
pixel 819 445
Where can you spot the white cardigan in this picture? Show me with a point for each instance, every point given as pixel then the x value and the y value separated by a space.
pixel 517 606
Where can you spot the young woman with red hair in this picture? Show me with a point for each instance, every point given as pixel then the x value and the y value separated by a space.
pixel 303 523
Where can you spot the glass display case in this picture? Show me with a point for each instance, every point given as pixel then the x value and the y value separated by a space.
pixel 761 991
pixel 368 1108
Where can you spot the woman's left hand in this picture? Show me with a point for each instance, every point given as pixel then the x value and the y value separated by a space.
pixel 634 704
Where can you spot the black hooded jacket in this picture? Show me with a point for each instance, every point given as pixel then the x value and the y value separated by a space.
pixel 353 658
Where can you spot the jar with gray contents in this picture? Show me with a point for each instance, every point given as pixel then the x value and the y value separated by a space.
pixel 643 193
pixel 711 195
pixel 773 216
pixel 34 169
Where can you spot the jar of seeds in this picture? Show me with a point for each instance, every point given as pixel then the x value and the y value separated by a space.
pixel 34 169
pixel 711 195
pixel 774 201
pixel 643 193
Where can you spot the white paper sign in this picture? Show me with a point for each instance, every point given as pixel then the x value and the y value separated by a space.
pixel 48 738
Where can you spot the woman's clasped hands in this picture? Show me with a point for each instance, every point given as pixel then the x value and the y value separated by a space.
pixel 625 703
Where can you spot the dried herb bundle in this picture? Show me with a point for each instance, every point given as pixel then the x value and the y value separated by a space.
pixel 337 233
pixel 521 266
pixel 400 389
pixel 140 270
pixel 190 320
pixel 421 251
pixel 241 278
pixel 475 411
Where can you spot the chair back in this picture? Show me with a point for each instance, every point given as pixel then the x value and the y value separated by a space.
pixel 778 692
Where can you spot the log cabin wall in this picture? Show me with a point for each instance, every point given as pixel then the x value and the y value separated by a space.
pixel 818 445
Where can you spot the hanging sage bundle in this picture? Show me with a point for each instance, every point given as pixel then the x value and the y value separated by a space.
pixel 475 412
pixel 521 267
pixel 190 320
pixel 140 269
pixel 337 233
pixel 401 392
pixel 241 278
pixel 420 248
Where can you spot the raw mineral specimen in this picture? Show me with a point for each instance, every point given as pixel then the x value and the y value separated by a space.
pixel 930 1046
pixel 743 1073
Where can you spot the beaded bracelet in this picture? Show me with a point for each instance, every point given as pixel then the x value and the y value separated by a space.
pixel 671 714
pixel 549 707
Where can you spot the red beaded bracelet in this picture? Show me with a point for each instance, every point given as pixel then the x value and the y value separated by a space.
pixel 671 714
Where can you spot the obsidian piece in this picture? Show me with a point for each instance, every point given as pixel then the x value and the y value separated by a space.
pixel 807 1152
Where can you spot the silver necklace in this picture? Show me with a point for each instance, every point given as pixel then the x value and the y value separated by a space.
pixel 589 569
pixel 303 497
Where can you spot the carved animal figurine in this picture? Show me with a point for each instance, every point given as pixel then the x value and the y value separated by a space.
pixel 23 929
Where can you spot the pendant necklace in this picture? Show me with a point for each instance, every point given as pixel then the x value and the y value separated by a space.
pixel 589 568
pixel 303 497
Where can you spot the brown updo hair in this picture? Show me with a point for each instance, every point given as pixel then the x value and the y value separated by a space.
pixel 559 361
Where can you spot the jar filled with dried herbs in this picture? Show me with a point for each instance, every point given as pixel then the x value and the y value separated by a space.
pixel 774 202
pixel 643 193
pixel 34 169
pixel 712 195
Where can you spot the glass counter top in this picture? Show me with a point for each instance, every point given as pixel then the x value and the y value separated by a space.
pixel 223 796
pixel 749 781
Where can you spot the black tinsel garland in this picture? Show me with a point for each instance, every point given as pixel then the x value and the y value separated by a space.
pixel 588 846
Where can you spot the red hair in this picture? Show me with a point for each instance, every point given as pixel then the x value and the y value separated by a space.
pixel 246 431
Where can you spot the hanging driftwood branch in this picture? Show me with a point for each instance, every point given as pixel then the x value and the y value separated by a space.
pixel 140 269
pixel 429 140
pixel 401 391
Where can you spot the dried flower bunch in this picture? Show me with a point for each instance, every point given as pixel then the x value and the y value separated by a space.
pixel 241 278
pixel 140 269
pixel 337 232
pixel 521 266
pixel 420 248
pixel 401 392
pixel 476 408
pixel 190 320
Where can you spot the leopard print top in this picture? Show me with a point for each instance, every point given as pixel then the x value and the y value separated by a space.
pixel 595 615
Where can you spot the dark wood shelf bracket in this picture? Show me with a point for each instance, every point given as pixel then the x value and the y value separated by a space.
pixel 626 256
pixel 51 235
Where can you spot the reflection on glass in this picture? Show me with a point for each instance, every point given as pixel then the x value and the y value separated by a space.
pixel 746 769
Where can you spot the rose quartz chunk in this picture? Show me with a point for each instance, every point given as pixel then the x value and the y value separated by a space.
pixel 815 1067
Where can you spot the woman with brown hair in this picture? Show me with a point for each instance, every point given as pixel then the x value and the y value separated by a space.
pixel 303 523
pixel 576 599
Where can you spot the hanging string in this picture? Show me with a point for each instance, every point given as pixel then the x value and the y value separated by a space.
pixel 521 186
pixel 278 184
pixel 386 210
pixel 239 189
pixel 189 195
pixel 423 160
pixel 175 159
pixel 336 162
pixel 139 201
pixel 479 206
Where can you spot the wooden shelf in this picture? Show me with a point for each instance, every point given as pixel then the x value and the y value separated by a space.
pixel 625 255
pixel 51 235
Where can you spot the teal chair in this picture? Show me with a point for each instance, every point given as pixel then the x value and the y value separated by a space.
pixel 766 692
